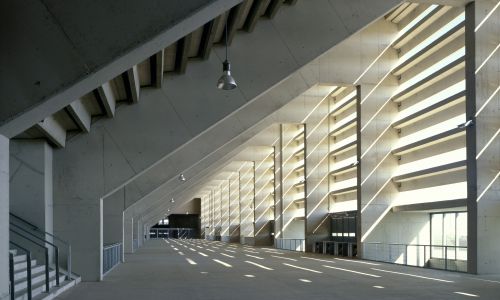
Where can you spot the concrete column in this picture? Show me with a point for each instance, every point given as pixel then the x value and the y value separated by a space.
pixel 4 218
pixel 377 190
pixel 113 225
pixel 264 194
pixel 234 206
pixel 225 210
pixel 316 206
pixel 247 205
pixel 31 182
pixel 487 137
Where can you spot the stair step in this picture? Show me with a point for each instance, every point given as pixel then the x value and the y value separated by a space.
pixel 56 291
pixel 22 265
pixel 38 288
pixel 22 274
pixel 35 279
pixel 19 258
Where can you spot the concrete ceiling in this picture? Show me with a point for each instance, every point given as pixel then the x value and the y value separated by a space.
pixel 187 125
pixel 285 46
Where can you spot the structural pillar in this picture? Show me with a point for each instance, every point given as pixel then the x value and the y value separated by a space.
pixel 128 232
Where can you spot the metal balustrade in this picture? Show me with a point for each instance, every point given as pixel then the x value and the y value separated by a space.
pixel 337 248
pixel 171 233
pixel 451 258
pixel 291 244
pixel 111 256
pixel 30 229
pixel 12 271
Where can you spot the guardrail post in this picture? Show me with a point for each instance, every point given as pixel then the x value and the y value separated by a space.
pixel 28 273
pixel 57 265
pixel 406 255
pixel 69 262
pixel 47 277
pixel 11 275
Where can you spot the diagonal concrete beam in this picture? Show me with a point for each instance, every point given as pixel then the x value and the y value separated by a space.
pixel 64 58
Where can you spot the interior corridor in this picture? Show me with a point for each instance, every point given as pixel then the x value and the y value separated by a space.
pixel 200 269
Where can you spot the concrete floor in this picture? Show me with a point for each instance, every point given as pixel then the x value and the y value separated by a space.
pixel 198 269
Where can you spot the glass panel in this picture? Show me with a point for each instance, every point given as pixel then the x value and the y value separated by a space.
pixel 462 235
pixel 449 234
pixel 437 235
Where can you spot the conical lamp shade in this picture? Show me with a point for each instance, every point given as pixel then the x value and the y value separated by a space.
pixel 226 81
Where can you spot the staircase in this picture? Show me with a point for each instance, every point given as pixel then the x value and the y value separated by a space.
pixel 38 280
pixel 35 262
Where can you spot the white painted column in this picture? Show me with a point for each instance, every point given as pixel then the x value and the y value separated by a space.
pixel 4 218
pixel 113 225
pixel 128 232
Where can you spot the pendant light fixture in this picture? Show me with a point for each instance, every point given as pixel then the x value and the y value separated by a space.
pixel 226 81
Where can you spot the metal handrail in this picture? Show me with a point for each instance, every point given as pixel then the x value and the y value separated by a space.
pixel 112 256
pixel 47 280
pixel 67 244
pixel 28 271
pixel 56 249
pixel 418 246
pixel 109 246
pixel 281 242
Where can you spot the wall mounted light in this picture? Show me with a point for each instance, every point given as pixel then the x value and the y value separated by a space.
pixel 226 81
pixel 172 200
pixel 182 178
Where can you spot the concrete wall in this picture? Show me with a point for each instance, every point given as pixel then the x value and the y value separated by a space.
pixel 4 218
pixel 400 228
pixel 31 182
pixel 488 137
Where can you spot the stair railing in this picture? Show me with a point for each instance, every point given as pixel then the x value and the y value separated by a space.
pixel 56 249
pixel 28 271
pixel 65 243
pixel 46 249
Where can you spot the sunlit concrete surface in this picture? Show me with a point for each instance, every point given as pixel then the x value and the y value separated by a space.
pixel 199 269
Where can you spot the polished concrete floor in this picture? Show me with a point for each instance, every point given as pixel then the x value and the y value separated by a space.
pixel 198 269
